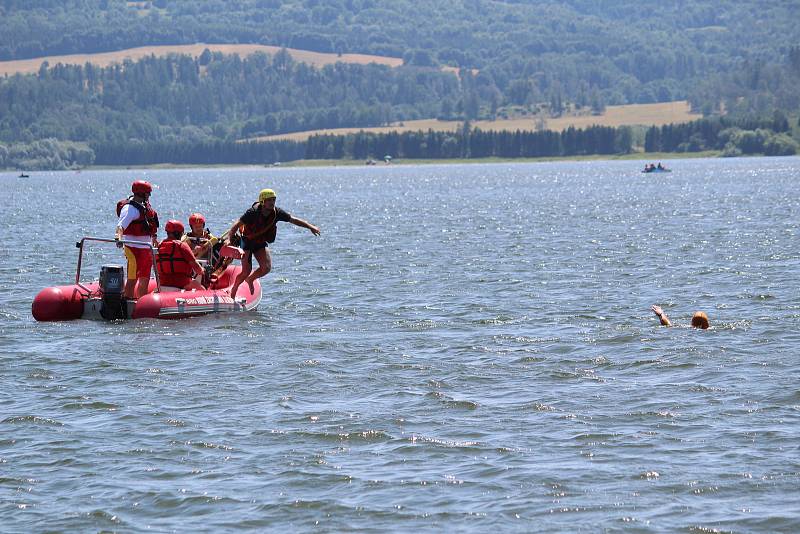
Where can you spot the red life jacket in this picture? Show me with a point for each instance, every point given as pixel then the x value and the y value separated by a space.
pixel 145 224
pixel 173 268
pixel 264 229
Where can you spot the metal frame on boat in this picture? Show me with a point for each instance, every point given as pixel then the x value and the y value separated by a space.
pixel 80 244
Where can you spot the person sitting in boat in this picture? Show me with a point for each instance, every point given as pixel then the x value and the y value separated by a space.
pixel 660 167
pixel 699 319
pixel 175 261
pixel 259 228
pixel 199 237
pixel 138 226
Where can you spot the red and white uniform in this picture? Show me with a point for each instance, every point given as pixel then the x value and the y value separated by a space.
pixel 127 215
pixel 138 253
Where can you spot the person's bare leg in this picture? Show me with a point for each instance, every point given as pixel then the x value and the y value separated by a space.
pixel 142 285
pixel 247 265
pixel 264 267
pixel 130 288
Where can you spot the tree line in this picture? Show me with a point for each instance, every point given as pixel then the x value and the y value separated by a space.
pixel 201 153
pixel 46 154
pixel 471 143
pixel 733 136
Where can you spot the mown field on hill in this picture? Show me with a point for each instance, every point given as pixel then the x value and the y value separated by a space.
pixel 105 59
pixel 628 115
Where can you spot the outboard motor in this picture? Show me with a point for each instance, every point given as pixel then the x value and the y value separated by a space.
pixel 112 281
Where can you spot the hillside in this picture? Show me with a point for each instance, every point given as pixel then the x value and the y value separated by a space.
pixel 132 74
pixel 591 53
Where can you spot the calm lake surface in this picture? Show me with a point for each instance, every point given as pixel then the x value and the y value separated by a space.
pixel 465 347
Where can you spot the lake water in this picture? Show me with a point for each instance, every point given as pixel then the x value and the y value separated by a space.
pixel 465 347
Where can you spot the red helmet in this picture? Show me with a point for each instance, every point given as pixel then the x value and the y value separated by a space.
pixel 140 187
pixel 174 227
pixel 196 218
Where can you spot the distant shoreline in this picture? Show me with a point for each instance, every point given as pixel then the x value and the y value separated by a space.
pixel 653 157
pixel 638 156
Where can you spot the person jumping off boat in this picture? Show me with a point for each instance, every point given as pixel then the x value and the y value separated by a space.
pixel 259 228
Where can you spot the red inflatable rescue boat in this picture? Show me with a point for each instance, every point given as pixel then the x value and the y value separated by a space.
pixel 102 299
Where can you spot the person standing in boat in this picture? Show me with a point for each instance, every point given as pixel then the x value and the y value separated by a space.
pixel 175 261
pixel 259 228
pixel 138 225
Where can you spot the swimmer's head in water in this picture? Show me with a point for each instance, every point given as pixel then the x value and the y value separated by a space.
pixel 700 320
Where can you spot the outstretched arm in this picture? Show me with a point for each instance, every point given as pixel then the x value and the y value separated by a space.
pixel 304 224
pixel 661 315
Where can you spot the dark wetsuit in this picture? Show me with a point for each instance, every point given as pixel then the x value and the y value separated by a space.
pixel 264 227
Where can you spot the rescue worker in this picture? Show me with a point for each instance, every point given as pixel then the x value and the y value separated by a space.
pixel 199 237
pixel 138 226
pixel 259 228
pixel 175 261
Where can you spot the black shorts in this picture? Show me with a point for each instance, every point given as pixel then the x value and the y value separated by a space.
pixel 249 246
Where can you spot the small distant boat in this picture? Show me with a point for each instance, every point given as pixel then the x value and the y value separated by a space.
pixel 655 168
pixel 23 175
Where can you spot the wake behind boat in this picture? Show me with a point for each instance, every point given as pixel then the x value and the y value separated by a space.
pixel 102 299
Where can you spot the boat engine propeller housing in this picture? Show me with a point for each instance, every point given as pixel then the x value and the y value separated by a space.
pixel 112 281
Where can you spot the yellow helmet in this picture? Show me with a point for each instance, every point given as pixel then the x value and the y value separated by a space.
pixel 265 194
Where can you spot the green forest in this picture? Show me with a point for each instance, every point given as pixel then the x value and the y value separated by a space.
pixel 739 59
pixel 219 97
